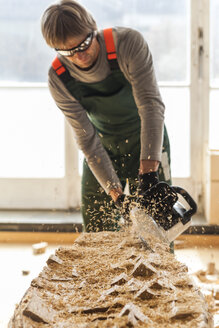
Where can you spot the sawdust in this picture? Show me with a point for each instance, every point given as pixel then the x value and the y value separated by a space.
pixel 109 279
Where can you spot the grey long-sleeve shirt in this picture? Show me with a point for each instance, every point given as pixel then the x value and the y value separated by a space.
pixel 135 61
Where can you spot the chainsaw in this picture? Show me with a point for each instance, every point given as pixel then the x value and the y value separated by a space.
pixel 158 213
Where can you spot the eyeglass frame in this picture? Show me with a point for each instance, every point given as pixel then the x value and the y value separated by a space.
pixel 71 52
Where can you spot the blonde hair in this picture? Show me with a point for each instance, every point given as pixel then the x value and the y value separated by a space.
pixel 65 19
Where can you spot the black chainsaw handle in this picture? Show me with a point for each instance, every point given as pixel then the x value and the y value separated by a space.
pixel 193 207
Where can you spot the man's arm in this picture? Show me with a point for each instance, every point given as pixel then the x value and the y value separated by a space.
pixel 147 166
pixel 136 62
pixel 86 135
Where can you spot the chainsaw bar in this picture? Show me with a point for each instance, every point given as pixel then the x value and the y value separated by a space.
pixel 146 245
pixel 146 228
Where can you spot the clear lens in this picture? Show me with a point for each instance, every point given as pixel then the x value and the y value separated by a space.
pixel 82 47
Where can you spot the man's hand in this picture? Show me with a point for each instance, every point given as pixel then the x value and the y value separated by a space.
pixel 148 175
pixel 147 165
pixel 122 202
pixel 115 193
pixel 146 181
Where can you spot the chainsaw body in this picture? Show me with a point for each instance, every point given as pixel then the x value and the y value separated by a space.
pixel 160 213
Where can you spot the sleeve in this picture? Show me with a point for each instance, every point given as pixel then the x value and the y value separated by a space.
pixel 85 134
pixel 135 61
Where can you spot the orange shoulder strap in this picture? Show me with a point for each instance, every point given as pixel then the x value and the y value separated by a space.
pixel 61 71
pixel 58 66
pixel 110 45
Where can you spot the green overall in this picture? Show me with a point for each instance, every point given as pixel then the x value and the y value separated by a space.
pixel 112 110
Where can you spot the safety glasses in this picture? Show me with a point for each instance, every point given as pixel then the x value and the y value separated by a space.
pixel 84 45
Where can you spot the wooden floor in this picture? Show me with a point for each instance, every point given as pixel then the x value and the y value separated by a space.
pixel 17 257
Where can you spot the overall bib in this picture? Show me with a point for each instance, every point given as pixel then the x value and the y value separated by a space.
pixel 111 108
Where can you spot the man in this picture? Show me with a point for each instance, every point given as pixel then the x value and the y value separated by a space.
pixel 104 83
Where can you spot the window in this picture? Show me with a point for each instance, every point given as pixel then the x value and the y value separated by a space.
pixel 40 160
pixel 30 122
pixel 24 56
pixel 31 134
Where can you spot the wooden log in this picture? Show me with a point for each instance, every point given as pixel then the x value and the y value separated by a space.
pixel 146 290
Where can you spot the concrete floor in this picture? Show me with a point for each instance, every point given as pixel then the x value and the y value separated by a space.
pixel 15 258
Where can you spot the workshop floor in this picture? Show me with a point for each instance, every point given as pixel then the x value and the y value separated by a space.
pixel 16 258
